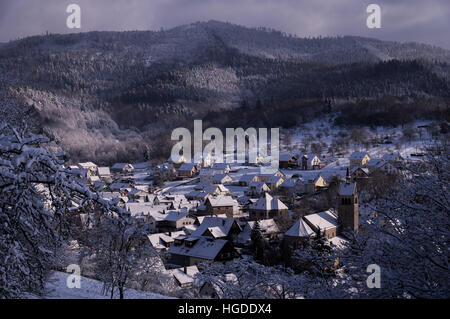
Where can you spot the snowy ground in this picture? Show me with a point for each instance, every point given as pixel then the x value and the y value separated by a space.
pixel 90 289
pixel 395 133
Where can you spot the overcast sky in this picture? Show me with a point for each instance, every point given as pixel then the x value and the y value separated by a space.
pixel 426 21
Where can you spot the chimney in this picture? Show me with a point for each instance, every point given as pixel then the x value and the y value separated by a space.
pixel 185 270
pixel 347 178
pixel 170 234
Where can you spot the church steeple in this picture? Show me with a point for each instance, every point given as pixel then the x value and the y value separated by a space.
pixel 348 206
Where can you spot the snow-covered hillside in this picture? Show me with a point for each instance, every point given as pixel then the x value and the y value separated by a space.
pixel 57 288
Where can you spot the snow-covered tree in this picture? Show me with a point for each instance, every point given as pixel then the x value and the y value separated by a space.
pixel 246 279
pixel 36 197
pixel 408 238
pixel 122 255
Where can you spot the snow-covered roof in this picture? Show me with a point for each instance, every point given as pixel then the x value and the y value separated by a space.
pixel 215 188
pixel 300 229
pixel 204 248
pixel 187 167
pixel 94 178
pixel 87 165
pixel 218 178
pixel 323 220
pixel 157 240
pixel 358 155
pixel 184 275
pixel 354 169
pixel 208 222
pixel 268 203
pixel 220 166
pixel 286 157
pixel 208 172
pixel 103 171
pixel 267 226
pixel 274 179
pixel 373 162
pixel 289 183
pixel 310 156
pixel 347 189
pixel 174 216
pixel 391 157
pixel 247 178
pixel 259 186
pixel 217 232
pixel 142 165
pixel 119 166
pixel 221 201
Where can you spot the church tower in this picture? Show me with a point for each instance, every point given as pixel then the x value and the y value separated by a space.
pixel 348 206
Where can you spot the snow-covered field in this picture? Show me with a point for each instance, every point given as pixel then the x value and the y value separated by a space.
pixel 57 288
pixel 405 148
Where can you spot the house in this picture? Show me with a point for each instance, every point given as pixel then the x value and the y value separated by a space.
pixel 83 174
pixel 207 175
pixel 386 167
pixel 216 190
pixel 359 172
pixel 309 162
pixel 288 186
pixel 266 177
pixel 223 168
pixel 175 220
pixel 287 161
pixel 358 159
pixel 379 164
pixel 142 166
pixel 324 222
pixel 176 161
pixel 194 250
pixel 267 207
pixel 218 228
pixel 184 276
pixel 93 179
pixel 393 158
pixel 122 168
pixel 138 195
pixel 257 189
pixel 197 195
pixel 219 205
pixel 187 170
pixel 268 228
pixel 164 170
pixel 162 241
pixel 104 172
pixel 247 179
pixel 299 232
pixel 274 182
pixel 221 179
pixel 314 184
pixel 88 165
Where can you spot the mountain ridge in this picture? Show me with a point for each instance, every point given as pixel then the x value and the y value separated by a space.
pixel 101 91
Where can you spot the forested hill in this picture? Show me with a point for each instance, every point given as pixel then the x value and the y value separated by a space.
pixel 107 95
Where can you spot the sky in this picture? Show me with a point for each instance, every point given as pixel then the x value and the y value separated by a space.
pixel 425 21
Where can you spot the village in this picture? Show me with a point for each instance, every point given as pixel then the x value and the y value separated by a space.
pixel 208 212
